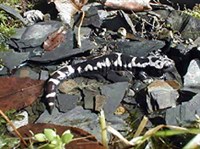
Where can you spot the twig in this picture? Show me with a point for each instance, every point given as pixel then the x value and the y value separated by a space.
pixel 14 128
pixel 79 29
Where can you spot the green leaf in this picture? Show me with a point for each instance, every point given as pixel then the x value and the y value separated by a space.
pixel 67 137
pixel 56 140
pixel 40 137
pixel 50 134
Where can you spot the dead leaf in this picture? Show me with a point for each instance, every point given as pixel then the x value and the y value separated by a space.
pixel 132 5
pixel 82 139
pixel 55 39
pixel 17 93
pixel 68 8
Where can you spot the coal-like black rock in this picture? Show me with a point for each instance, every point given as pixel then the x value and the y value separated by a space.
pixel 184 114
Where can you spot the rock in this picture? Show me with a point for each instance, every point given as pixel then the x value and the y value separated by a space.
pixel 180 3
pixel 89 98
pixel 44 75
pixel 139 48
pixel 187 25
pixel 113 20
pixel 184 114
pixel 191 79
pixel 99 102
pixel 115 77
pixel 67 102
pixel 156 91
pixel 35 35
pixel 65 50
pixel 3 70
pixel 23 120
pixel 92 18
pixel 13 59
pixel 114 94
pixel 27 72
pixel 77 117
pixel 68 87
pixel 13 12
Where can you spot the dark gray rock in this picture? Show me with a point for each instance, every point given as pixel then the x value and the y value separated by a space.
pixel 180 3
pixel 13 12
pixel 77 117
pixel 18 33
pixel 35 35
pixel 139 48
pixel 3 70
pixel 92 18
pixel 65 50
pixel 89 98
pixel 161 96
pixel 191 79
pixel 114 94
pixel 11 59
pixel 187 25
pixel 113 20
pixel 67 102
pixel 185 113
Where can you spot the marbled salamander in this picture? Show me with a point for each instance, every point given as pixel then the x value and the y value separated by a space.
pixel 114 61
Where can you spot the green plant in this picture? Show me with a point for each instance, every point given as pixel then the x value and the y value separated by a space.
pixel 53 140
pixel 195 12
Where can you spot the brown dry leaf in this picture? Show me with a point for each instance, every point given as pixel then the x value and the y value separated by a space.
pixel 68 8
pixel 17 93
pixel 55 39
pixel 82 139
pixel 132 5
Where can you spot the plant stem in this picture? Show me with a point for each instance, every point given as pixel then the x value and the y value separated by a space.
pixel 14 128
pixel 103 129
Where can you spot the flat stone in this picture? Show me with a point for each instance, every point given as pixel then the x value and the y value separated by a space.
pixel 65 50
pixel 67 102
pixel 184 114
pixel 114 94
pixel 77 117
pixel 156 91
pixel 27 72
pixel 191 78
pixel 13 59
pixel 139 48
pixel 92 18
pixel 13 12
